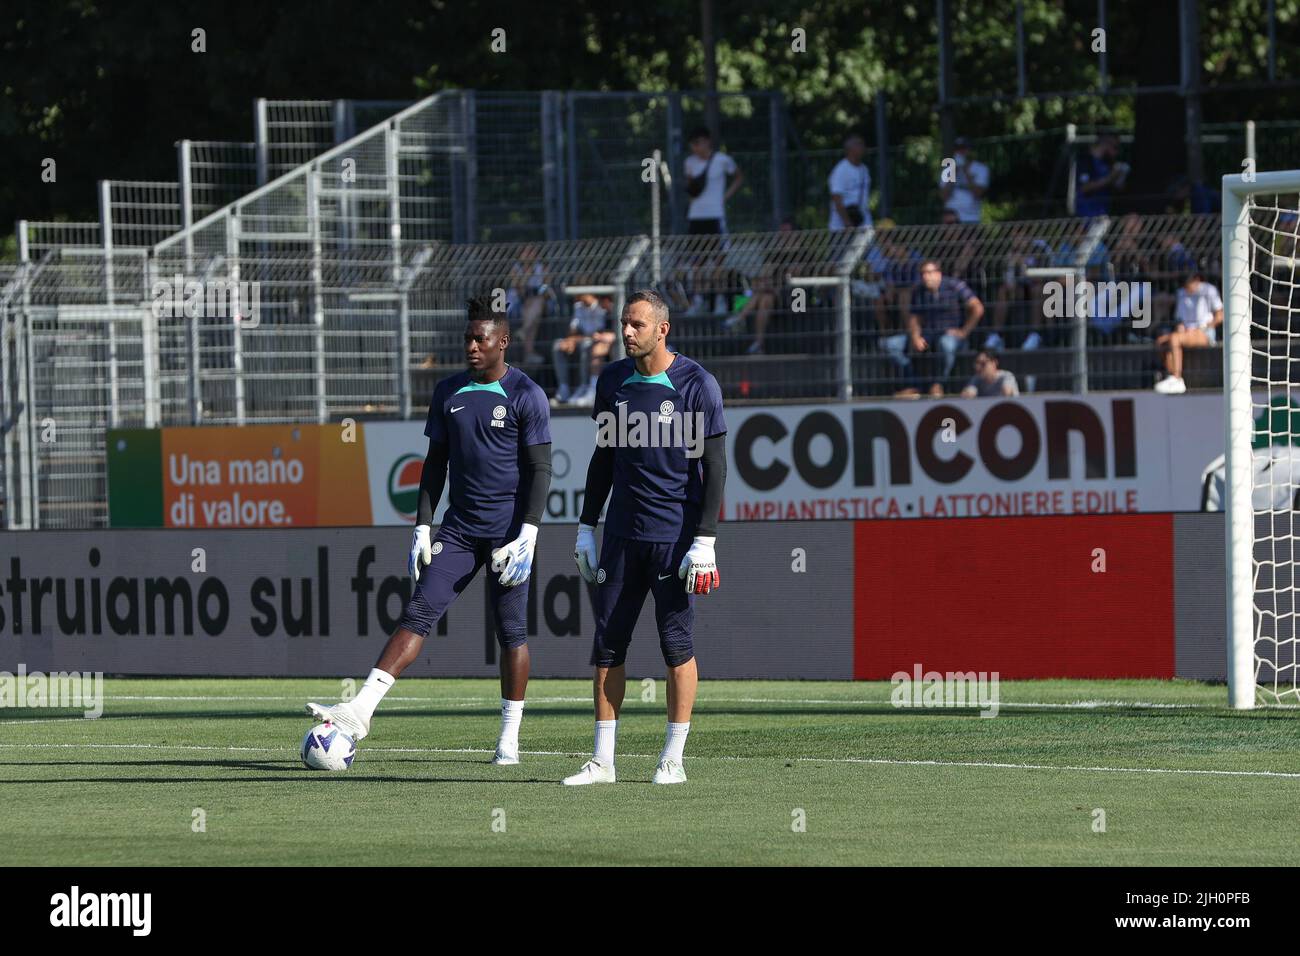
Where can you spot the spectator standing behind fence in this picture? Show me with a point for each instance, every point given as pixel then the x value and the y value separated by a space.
pixel 1185 196
pixel 964 194
pixel 1098 176
pixel 1197 317
pixel 934 321
pixel 706 185
pixel 989 380
pixel 850 186
pixel 528 292
pixel 589 340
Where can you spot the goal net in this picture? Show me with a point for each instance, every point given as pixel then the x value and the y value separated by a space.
pixel 1261 226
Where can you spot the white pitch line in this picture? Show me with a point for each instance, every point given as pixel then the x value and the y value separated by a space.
pixel 875 761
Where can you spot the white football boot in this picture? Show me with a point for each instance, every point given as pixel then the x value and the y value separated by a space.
pixel 504 758
pixel 593 771
pixel 344 717
pixel 669 771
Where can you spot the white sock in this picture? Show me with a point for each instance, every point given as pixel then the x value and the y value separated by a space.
pixel 675 741
pixel 372 692
pixel 604 749
pixel 512 715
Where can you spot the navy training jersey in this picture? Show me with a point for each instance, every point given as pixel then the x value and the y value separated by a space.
pixel 486 429
pixel 657 426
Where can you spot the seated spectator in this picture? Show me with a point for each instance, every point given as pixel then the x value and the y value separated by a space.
pixel 762 301
pixel 1175 257
pixel 1115 307
pixel 768 289
pixel 590 339
pixel 897 269
pixel 527 295
pixel 990 381
pixel 1197 316
pixel 935 321
pixel 1288 236
pixel 1020 297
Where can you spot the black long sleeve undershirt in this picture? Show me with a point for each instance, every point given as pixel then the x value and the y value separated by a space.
pixel 714 464
pixel 600 478
pixel 432 480
pixel 539 482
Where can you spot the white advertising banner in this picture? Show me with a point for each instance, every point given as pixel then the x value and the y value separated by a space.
pixel 395 455
pixel 1107 453
pixel 1067 454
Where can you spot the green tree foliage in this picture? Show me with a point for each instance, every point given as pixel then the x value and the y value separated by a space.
pixel 107 89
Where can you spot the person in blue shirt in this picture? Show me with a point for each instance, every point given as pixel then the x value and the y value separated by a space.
pixel 1098 175
pixel 942 313
pixel 489 431
pixel 660 446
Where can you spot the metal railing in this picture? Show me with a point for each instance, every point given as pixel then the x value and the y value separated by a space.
pixel 212 175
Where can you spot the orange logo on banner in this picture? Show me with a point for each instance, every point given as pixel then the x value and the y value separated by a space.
pixel 262 476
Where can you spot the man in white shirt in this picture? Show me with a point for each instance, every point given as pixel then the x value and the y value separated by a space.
pixel 964 195
pixel 1197 317
pixel 707 213
pixel 708 190
pixel 850 186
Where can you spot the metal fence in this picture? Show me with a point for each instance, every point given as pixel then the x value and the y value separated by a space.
pixel 354 304
pixel 611 135
pixel 1031 172
pixel 209 176
pixel 214 174
pixel 534 165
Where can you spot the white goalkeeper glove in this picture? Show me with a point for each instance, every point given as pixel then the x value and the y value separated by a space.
pixel 421 550
pixel 515 560
pixel 699 567
pixel 584 552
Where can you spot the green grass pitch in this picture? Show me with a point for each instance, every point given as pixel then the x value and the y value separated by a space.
pixel 1181 779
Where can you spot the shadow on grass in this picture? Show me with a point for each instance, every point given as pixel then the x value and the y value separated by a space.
pixel 873 710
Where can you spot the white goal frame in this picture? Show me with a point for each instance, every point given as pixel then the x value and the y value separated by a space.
pixel 1237 381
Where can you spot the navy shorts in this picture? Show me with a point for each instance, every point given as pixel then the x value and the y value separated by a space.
pixel 456 559
pixel 628 571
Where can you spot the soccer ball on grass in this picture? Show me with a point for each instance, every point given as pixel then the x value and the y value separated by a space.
pixel 327 748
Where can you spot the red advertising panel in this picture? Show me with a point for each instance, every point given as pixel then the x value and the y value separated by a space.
pixel 1086 597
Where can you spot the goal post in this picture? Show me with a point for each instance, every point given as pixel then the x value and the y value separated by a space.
pixel 1261 375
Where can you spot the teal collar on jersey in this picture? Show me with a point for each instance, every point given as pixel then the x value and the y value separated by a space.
pixel 489 387
pixel 660 378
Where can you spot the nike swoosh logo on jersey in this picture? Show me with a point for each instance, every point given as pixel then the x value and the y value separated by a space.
pixel 458 408
pixel 624 402
pixel 665 577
